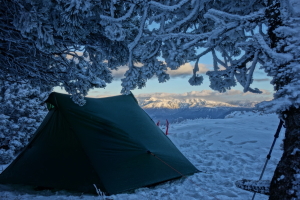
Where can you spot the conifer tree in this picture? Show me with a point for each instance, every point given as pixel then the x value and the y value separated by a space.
pixel 21 112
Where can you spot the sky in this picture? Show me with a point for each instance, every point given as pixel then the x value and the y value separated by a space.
pixel 178 86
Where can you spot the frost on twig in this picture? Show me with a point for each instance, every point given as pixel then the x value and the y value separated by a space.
pixel 221 80
pixel 196 80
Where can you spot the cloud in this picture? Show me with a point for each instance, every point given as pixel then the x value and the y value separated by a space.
pixel 158 95
pixel 264 92
pixel 203 93
pixel 259 73
pixel 187 95
pixel 119 73
pixel 79 53
pixel 187 70
pixel 100 93
pixel 231 95
pixel 182 71
pixel 261 79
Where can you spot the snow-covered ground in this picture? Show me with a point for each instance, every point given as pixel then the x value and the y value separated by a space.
pixel 225 150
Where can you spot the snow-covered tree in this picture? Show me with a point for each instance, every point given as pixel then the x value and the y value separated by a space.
pixel 64 43
pixel 21 112
pixel 75 44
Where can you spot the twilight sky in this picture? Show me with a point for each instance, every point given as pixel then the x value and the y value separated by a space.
pixel 178 86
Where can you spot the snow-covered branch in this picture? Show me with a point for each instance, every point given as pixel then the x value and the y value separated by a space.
pixel 281 58
pixel 233 17
pixel 120 19
pixel 172 8
pixel 250 73
pixel 138 37
pixel 186 19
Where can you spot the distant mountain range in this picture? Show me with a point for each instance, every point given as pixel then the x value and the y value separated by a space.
pixel 172 103
pixel 179 103
pixel 176 110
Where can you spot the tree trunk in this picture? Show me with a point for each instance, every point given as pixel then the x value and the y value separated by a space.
pixel 285 184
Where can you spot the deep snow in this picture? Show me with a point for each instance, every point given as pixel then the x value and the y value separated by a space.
pixel 225 150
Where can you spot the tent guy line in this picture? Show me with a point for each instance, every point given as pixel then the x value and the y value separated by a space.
pixel 165 163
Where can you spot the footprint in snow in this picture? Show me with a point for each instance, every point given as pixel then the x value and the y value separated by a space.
pixel 249 156
pixel 184 145
pixel 209 144
pixel 230 142
pixel 252 141
pixel 228 194
pixel 241 143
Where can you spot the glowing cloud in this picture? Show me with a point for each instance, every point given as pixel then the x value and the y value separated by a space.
pixel 229 96
pixel 182 71
pixel 261 80
pixel 187 70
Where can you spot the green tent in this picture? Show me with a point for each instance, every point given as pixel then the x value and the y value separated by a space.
pixel 110 142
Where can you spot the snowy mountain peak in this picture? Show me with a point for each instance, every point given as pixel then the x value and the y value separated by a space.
pixel 172 103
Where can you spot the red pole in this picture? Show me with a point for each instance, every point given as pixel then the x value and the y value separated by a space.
pixel 167 127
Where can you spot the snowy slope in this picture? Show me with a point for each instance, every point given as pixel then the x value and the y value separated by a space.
pixel 178 115
pixel 225 150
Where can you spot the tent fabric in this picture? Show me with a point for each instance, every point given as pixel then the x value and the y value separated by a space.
pixel 110 142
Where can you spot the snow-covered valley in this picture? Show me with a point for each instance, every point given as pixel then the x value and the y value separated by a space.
pixel 225 150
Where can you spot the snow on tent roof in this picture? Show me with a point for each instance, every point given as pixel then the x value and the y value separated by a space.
pixel 110 142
